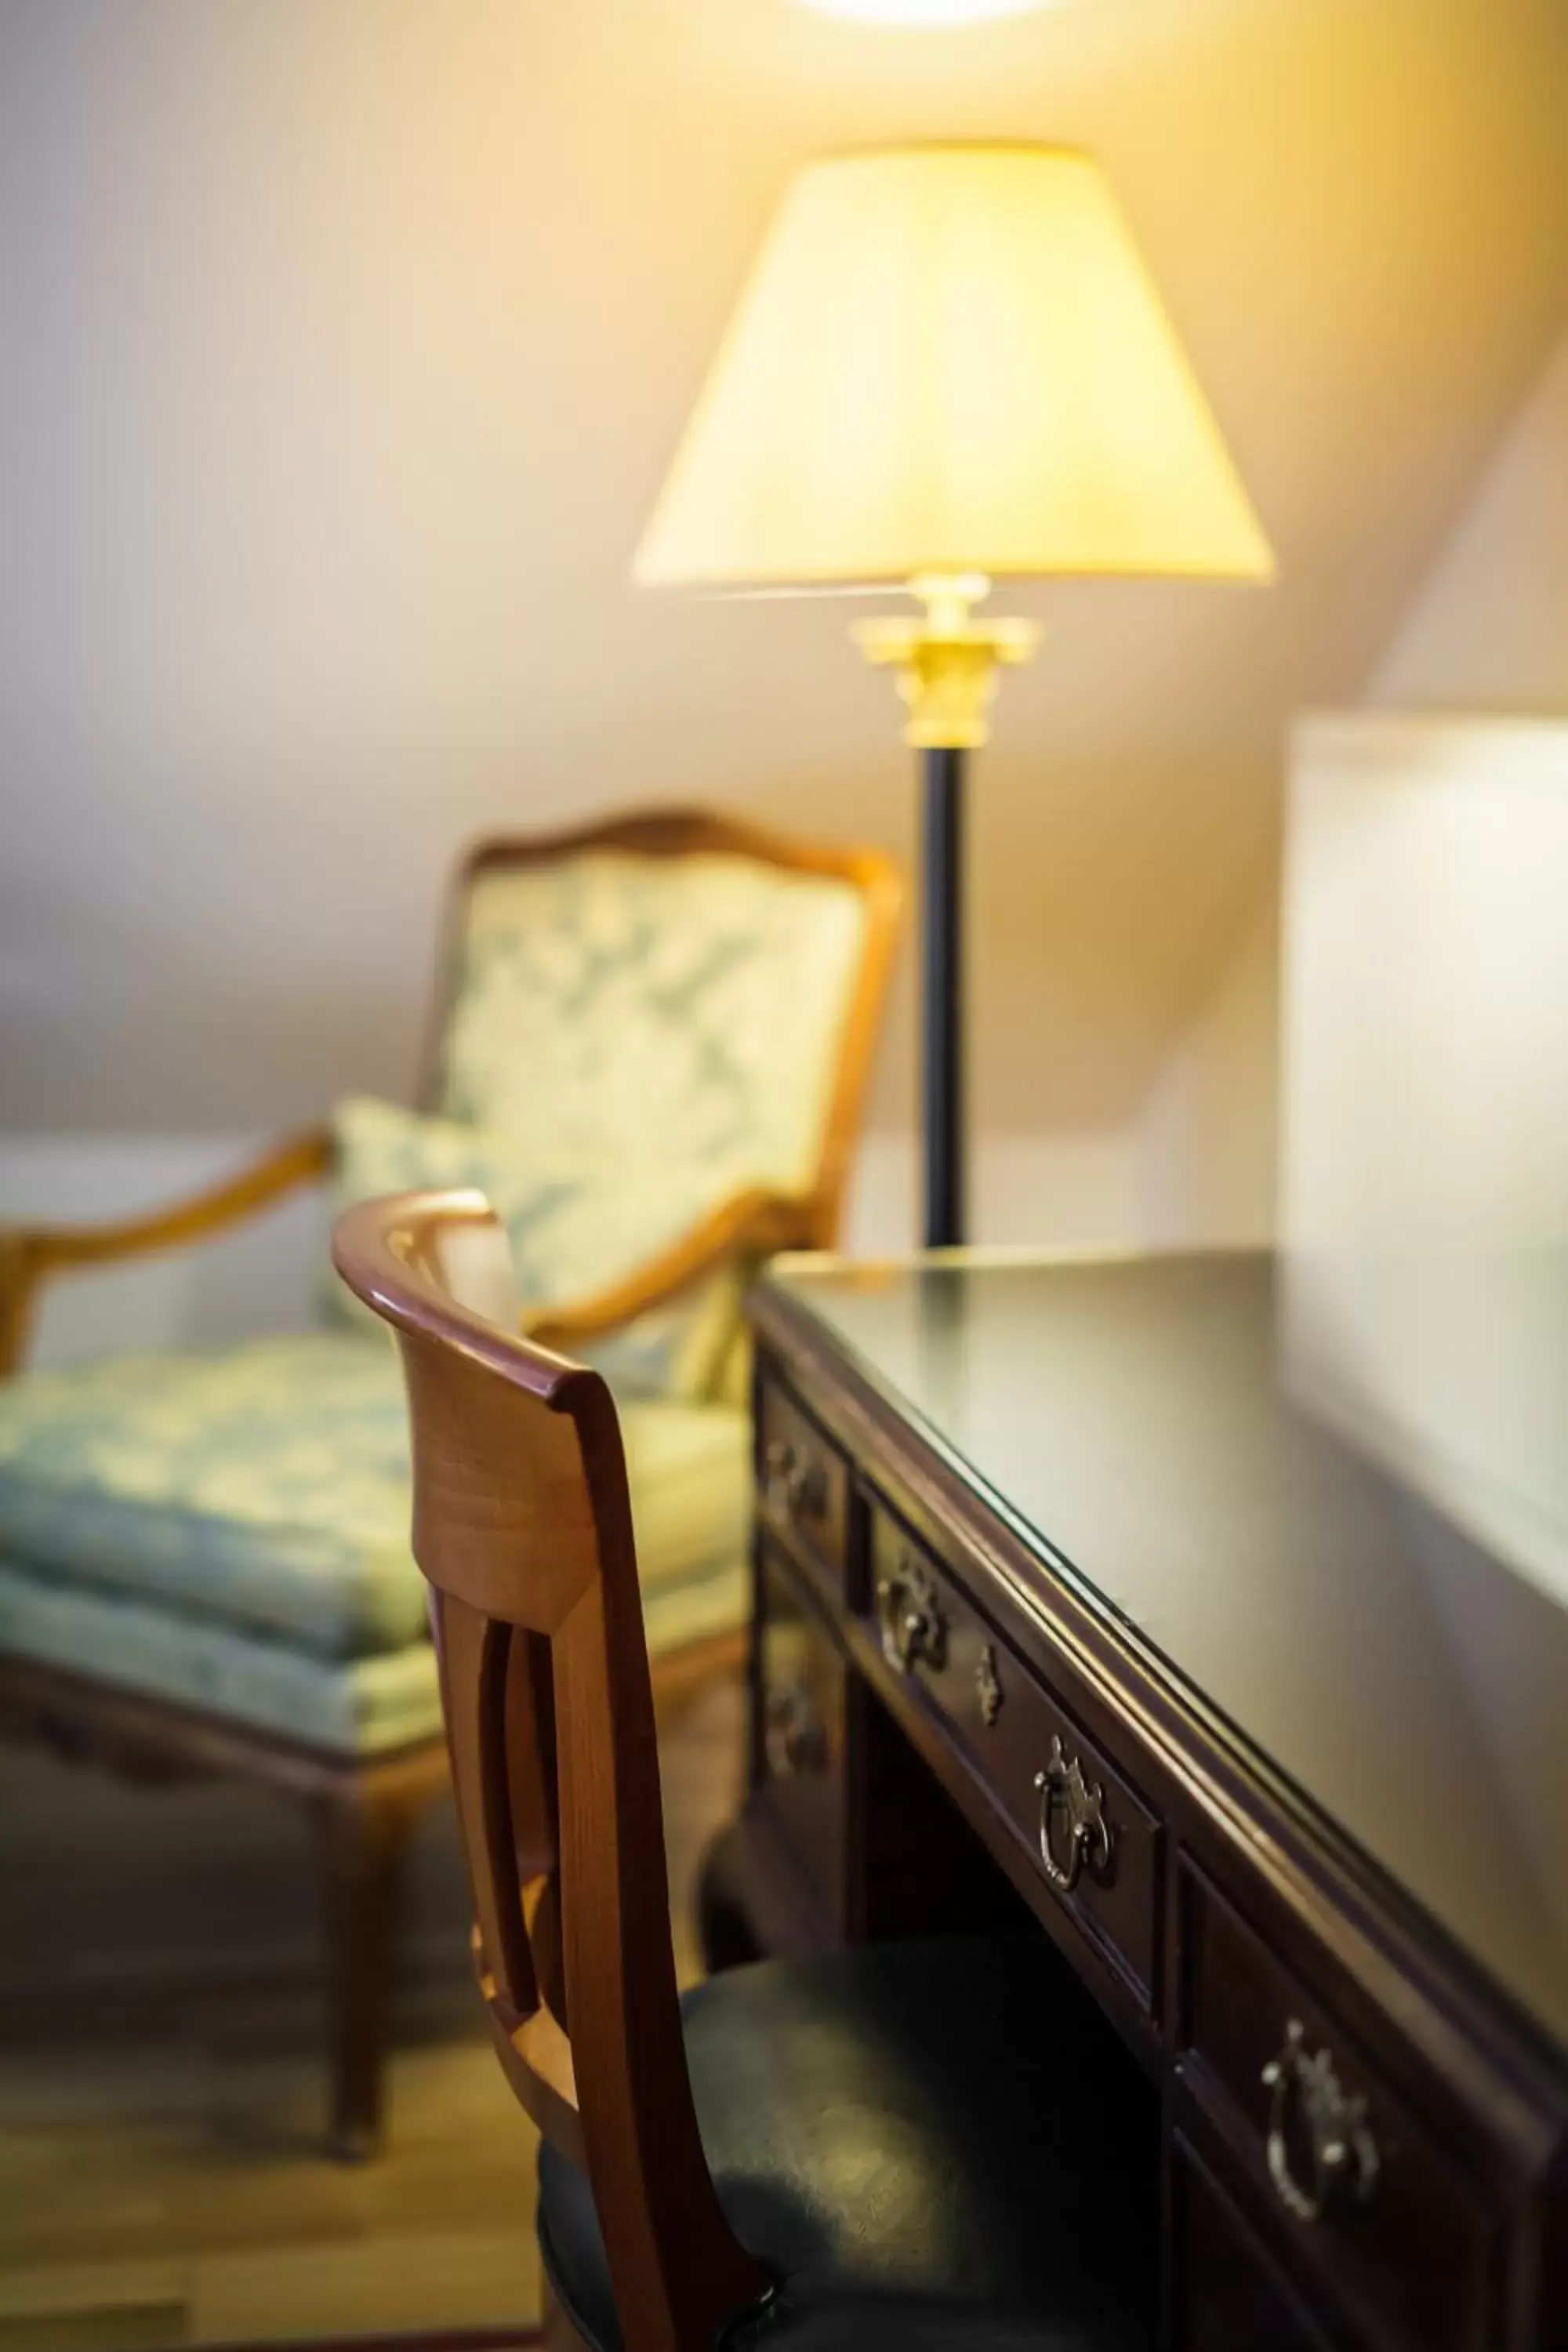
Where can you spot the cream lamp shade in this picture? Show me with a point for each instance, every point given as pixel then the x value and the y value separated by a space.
pixel 949 361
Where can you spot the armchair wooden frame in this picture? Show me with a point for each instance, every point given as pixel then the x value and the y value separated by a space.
pixel 367 1808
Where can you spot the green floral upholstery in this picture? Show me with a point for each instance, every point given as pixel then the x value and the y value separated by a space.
pixel 231 1531
pixel 574 1231
pixel 688 1011
pixel 265 1487
pixel 633 1040
pixel 357 1706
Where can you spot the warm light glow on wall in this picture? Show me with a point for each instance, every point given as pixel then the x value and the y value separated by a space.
pixel 925 11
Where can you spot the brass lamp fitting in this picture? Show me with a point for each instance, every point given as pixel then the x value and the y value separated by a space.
pixel 946 661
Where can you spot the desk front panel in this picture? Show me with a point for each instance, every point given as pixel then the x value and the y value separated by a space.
pixel 1357 2182
pixel 1092 1845
pixel 1231 1953
pixel 799 1733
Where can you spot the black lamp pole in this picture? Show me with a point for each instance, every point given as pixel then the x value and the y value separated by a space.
pixel 947 662
pixel 941 1077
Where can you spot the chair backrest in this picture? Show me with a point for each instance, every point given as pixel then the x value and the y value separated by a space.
pixel 522 1528
pixel 673 972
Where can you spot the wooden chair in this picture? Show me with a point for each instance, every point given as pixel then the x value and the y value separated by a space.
pixel 241 1599
pixel 902 2146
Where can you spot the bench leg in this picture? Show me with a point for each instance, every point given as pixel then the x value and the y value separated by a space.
pixel 363 1835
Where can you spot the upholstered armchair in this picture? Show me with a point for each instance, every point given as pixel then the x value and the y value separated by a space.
pixel 650 1046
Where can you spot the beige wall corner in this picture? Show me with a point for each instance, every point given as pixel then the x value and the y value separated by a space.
pixel 1488 628
pixel 1206 1135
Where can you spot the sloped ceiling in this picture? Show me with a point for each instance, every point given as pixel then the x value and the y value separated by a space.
pixel 343 343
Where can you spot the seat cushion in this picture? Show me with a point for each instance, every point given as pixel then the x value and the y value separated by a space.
pixel 919 2144
pixel 348 1706
pixel 264 1491
pixel 688 1468
pixel 265 1487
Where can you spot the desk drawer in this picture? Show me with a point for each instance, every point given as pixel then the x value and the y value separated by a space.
pixel 803 1484
pixel 1386 2226
pixel 798 1765
pixel 1225 2295
pixel 1094 1843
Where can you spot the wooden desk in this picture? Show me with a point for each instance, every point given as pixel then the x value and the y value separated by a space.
pixel 1276 1757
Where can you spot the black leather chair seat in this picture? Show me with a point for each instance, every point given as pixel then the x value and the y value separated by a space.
pixel 928 2145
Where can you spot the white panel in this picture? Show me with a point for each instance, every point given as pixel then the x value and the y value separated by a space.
pixel 1425 1177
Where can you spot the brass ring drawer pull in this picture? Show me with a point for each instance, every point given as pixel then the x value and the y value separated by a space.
pixel 909 1613
pixel 1089 1833
pixel 1332 2125
pixel 796 1486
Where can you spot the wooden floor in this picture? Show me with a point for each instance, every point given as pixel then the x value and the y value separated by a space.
pixel 161 2094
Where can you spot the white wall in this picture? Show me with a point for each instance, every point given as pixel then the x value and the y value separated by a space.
pixel 346 342
pixel 1487 631
pixel 1194 1162
pixel 259 1278
pixel 1072 1189
pixel 1207 1141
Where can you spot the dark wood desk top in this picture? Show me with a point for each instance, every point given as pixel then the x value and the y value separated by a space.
pixel 1126 1418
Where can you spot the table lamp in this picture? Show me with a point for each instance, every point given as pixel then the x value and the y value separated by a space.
pixel 949 366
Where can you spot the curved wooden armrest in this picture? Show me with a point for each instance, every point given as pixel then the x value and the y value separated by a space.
pixel 750 1224
pixel 30 1254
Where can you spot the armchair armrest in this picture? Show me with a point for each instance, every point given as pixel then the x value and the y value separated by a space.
pixel 30 1254
pixel 753 1223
